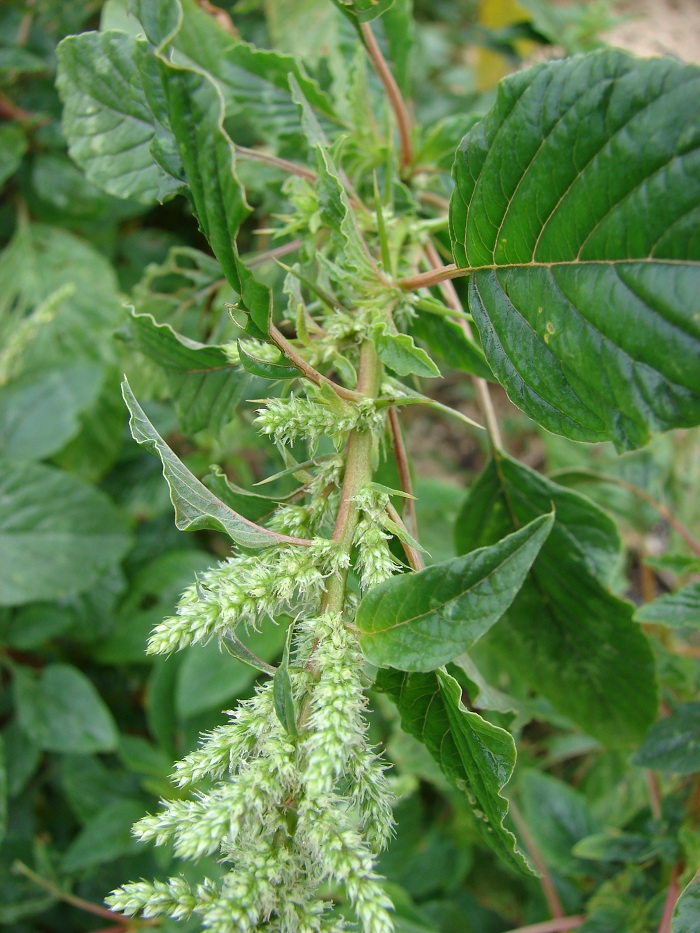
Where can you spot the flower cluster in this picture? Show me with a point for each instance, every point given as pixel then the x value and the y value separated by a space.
pixel 290 419
pixel 292 817
pixel 245 590
pixel 375 561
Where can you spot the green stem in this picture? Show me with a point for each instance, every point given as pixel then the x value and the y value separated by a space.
pixel 358 473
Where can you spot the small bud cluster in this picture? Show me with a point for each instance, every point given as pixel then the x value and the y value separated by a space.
pixel 321 502
pixel 376 563
pixel 289 816
pixel 246 589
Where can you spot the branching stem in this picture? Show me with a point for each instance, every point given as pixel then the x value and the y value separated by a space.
pixel 404 472
pixel 398 104
pixel 308 371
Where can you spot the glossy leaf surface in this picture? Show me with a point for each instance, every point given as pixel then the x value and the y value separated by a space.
pixel 584 246
pixel 566 634
pixel 419 621
pixel 476 757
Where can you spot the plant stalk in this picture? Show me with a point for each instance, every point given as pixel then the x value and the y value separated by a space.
pixel 398 105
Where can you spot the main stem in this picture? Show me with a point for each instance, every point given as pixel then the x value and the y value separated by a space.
pixel 358 473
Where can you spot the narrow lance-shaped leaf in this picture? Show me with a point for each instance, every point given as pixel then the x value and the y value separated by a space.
pixel 419 621
pixel 475 756
pixel 195 506
pixel 583 247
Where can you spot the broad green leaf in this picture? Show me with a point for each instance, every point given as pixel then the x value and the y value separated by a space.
pixel 673 743
pixel 476 757
pixel 89 783
pixel 107 117
pixel 58 535
pixel 558 817
pixel 686 915
pixel 205 386
pixel 336 213
pixel 676 610
pixel 418 621
pixel 583 248
pixel 195 506
pixel 57 293
pixel 36 624
pixel 153 594
pixel 401 355
pixel 212 676
pixel 363 11
pixel 566 634
pixel 40 412
pixel 13 145
pixel 61 711
pixel 104 838
pixel 617 846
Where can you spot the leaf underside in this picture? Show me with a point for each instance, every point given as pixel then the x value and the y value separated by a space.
pixel 577 209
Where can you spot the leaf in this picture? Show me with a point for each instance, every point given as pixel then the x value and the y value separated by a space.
pixel 400 353
pixel 418 621
pixel 213 675
pixel 251 505
pixel 583 249
pixel 336 213
pixel 106 837
pixel 686 914
pixel 565 635
pixel 447 340
pixel 61 711
pixel 558 817
pixel 107 118
pixel 673 743
pixel 58 535
pixel 205 386
pixel 40 412
pixel 676 610
pixel 282 689
pixel 363 11
pixel 13 145
pixel 477 757
pixel 195 506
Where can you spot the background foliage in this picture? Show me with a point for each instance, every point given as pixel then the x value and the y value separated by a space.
pixel 91 560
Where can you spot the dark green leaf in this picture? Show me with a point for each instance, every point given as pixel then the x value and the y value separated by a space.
pixel 418 621
pixel 447 340
pixel 616 846
pixel 13 145
pixel 107 117
pixel 58 535
pixel 4 783
pixel 22 757
pixel 476 757
pixel 61 711
pixel 565 635
pixel 40 412
pixel 257 367
pixel 686 916
pixel 673 743
pixel 584 249
pixel 676 610
pixel 195 506
pixel 558 817
pixel 104 838
pixel 282 689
